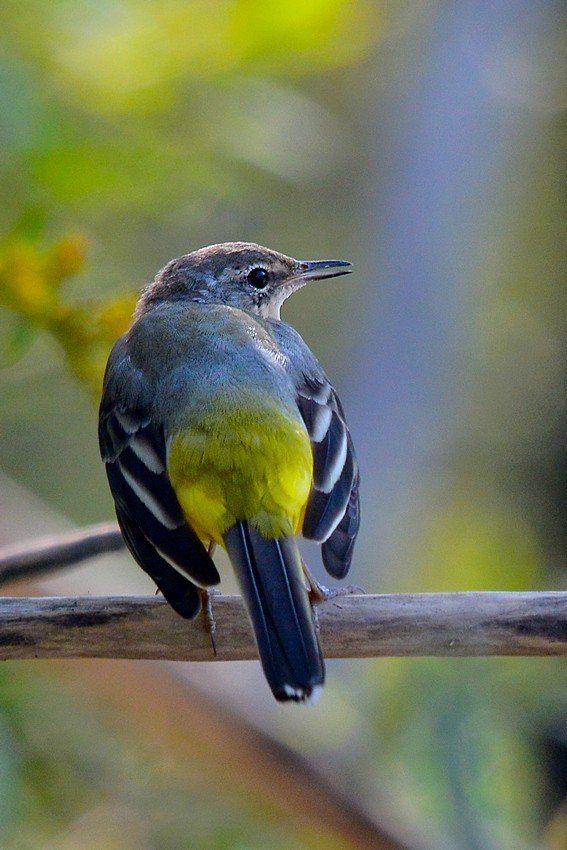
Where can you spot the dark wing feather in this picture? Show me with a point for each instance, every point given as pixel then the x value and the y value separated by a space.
pixel 182 595
pixel 133 448
pixel 332 515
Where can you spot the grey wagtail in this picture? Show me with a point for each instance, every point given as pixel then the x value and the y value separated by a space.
pixel 218 425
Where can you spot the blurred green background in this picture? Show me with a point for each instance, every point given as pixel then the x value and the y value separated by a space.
pixel 424 141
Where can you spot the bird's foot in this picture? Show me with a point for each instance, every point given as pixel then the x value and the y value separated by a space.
pixel 320 593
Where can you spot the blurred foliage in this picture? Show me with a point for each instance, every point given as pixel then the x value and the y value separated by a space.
pixel 69 781
pixel 139 120
pixel 131 132
pixel 31 281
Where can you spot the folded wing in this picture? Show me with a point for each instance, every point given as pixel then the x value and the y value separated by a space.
pixel 132 445
pixel 332 515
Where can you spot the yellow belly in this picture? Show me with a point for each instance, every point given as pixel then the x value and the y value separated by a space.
pixel 255 465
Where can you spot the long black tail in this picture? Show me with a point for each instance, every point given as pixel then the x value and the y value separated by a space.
pixel 271 579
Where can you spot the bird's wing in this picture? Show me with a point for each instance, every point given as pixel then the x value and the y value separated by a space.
pixel 332 514
pixel 133 447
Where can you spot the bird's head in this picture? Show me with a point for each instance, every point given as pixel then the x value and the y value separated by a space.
pixel 240 274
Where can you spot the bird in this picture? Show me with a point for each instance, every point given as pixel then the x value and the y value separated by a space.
pixel 219 426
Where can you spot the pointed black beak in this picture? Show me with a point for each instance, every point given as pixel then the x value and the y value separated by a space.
pixel 320 269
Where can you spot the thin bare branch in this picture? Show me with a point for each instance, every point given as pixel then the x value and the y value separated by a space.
pixel 358 626
pixel 58 551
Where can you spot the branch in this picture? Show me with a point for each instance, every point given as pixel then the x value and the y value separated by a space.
pixel 58 551
pixel 361 626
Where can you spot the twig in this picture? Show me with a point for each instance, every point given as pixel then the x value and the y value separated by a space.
pixel 58 551
pixel 361 626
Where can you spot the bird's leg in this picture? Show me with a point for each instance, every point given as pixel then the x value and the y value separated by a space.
pixel 317 594
pixel 210 622
pixel 207 602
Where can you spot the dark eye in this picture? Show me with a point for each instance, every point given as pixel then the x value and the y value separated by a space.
pixel 258 278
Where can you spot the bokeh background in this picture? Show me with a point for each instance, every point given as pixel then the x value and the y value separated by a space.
pixel 424 141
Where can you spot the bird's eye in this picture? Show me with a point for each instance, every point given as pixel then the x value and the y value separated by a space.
pixel 258 278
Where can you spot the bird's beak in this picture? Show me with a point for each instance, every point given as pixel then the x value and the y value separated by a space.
pixel 303 272
pixel 320 269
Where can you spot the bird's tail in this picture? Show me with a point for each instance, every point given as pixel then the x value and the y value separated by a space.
pixel 272 583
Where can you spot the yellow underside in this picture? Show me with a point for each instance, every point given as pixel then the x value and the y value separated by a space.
pixel 255 466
